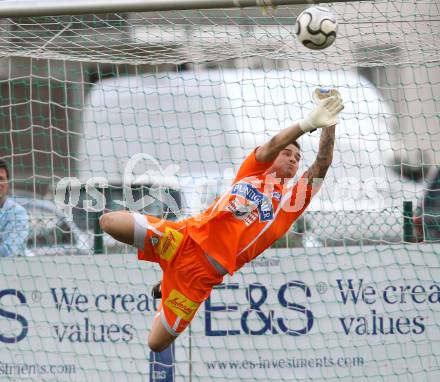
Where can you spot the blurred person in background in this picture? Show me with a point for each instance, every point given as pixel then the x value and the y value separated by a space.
pixel 14 222
pixel 427 219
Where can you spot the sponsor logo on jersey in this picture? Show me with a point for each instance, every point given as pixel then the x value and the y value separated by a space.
pixel 181 305
pixel 257 198
pixel 245 213
pixel 169 243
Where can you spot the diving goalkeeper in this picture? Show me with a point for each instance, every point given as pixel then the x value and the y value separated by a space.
pixel 258 208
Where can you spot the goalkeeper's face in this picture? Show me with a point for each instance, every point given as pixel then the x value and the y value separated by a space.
pixel 287 162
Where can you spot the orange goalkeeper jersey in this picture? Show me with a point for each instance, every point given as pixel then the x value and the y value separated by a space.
pixel 246 219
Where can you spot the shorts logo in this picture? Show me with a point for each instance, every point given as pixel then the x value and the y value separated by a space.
pixel 169 244
pixel 155 241
pixel 181 305
pixel 257 198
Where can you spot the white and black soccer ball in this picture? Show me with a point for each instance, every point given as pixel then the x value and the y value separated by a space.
pixel 316 28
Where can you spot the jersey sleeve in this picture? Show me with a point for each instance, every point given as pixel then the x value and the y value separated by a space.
pixel 251 167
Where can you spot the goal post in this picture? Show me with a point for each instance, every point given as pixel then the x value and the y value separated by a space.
pixel 151 106
pixel 26 8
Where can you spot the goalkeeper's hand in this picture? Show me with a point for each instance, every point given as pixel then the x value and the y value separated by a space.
pixel 326 112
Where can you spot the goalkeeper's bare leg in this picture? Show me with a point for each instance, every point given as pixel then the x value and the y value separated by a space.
pixel 120 225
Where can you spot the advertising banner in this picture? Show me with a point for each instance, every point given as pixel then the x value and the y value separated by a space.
pixel 357 312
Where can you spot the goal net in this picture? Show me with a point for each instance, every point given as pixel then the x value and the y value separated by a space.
pixel 154 112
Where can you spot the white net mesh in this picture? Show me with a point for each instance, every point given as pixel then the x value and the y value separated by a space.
pixel 80 95
pixel 379 33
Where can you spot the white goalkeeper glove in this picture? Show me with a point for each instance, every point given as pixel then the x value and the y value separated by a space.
pixel 326 112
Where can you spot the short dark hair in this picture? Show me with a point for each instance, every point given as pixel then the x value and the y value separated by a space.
pixel 4 165
pixel 295 143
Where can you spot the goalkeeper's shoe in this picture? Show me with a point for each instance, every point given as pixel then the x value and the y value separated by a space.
pixel 156 291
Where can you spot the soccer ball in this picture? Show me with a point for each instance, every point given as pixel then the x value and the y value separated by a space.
pixel 316 28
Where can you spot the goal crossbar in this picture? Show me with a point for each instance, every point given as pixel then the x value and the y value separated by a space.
pixel 26 8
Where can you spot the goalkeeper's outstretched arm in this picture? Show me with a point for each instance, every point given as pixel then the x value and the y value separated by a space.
pixel 323 160
pixel 324 115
